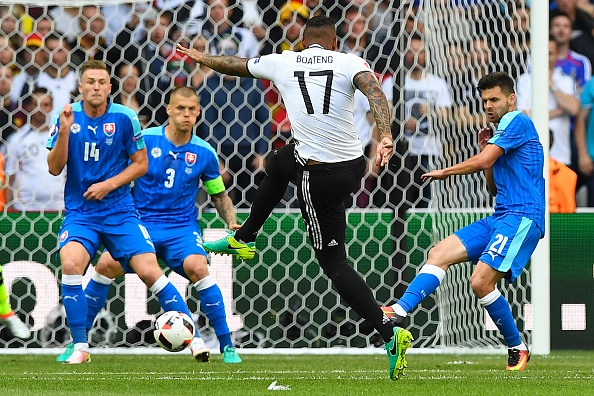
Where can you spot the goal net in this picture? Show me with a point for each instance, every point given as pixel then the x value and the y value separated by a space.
pixel 281 299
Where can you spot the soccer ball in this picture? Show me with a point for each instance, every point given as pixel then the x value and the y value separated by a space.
pixel 174 331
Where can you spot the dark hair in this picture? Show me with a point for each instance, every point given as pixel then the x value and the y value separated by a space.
pixel 319 22
pixel 93 65
pixel 38 91
pixel 497 79
pixel 556 13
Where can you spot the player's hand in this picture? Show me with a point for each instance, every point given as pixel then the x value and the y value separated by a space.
pixel 437 174
pixel 586 165
pixel 66 117
pixel 483 137
pixel 384 151
pixel 190 53
pixel 98 191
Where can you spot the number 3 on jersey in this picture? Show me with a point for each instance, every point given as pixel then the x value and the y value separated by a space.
pixel 327 91
pixel 91 151
pixel 170 177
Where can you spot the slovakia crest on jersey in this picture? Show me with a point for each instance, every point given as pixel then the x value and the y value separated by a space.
pixel 191 159
pixel 109 129
pixel 63 236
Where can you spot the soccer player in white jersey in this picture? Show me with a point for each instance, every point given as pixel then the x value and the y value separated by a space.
pixel 326 163
pixel 165 198
pixel 102 148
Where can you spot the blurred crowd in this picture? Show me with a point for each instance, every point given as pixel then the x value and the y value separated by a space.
pixel 41 49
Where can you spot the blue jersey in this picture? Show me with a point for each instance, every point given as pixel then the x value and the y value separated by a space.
pixel 518 173
pixel 99 148
pixel 167 192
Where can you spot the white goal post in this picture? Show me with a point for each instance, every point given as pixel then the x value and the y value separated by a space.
pixel 281 300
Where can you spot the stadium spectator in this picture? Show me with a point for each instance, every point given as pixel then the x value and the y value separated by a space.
pixel 129 94
pixel 562 182
pixel 8 108
pixel 218 27
pixel 66 21
pixel 236 122
pixel 9 26
pixel 201 72
pixel 44 25
pixel 575 65
pixel 33 60
pixel 582 25
pixel 90 43
pixel 469 61
pixel 7 53
pixel 58 76
pixel 584 139
pixel 285 33
pixel 563 104
pixel 30 186
pixel 428 102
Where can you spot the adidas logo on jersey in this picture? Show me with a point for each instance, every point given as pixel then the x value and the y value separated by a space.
pixel 333 243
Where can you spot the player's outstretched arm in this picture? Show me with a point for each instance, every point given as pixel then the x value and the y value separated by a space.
pixel 225 209
pixel 58 156
pixel 480 162
pixel 138 166
pixel 368 84
pixel 230 65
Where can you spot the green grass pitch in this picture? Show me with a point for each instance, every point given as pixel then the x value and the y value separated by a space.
pixel 561 373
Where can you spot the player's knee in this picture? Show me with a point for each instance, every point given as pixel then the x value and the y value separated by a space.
pixel 480 285
pixel 146 267
pixel 109 268
pixel 438 256
pixel 196 268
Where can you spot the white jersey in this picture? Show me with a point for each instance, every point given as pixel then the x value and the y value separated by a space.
pixel 318 91
pixel 26 160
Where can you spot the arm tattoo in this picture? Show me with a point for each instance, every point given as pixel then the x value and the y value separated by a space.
pixel 230 65
pixel 368 84
pixel 224 207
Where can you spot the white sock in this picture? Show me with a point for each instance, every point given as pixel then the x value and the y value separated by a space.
pixel 521 347
pixel 399 310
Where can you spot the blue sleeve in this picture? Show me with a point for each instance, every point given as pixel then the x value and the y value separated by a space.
pixel 133 139
pixel 587 97
pixel 510 133
pixel 211 169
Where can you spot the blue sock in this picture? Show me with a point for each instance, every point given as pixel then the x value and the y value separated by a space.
pixel 75 305
pixel 425 283
pixel 168 296
pixel 500 312
pixel 96 295
pixel 211 303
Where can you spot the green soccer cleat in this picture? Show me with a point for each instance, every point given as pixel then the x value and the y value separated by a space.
pixel 230 245
pixel 230 355
pixel 66 354
pixel 396 348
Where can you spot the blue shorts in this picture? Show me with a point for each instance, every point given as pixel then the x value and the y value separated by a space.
pixel 122 234
pixel 505 243
pixel 175 242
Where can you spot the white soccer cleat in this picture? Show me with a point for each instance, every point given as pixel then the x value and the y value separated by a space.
pixel 16 326
pixel 78 357
pixel 199 350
